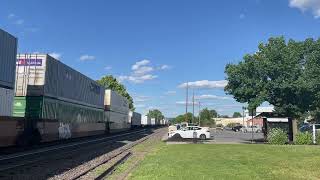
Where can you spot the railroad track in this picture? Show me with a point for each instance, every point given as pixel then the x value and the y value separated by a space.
pixel 14 161
pixel 115 158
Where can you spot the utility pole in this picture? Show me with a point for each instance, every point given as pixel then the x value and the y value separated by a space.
pixel 187 94
pixel 243 108
pixel 193 106
pixel 252 127
pixel 199 113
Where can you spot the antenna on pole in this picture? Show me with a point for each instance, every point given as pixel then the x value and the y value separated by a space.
pixel 187 94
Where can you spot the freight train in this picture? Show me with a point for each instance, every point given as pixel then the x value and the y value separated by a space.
pixel 52 101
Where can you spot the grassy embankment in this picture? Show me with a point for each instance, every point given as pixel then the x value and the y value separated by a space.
pixel 203 161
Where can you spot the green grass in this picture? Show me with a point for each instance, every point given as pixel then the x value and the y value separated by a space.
pixel 203 161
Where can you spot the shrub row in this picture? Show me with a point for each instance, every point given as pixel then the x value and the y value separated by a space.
pixel 279 137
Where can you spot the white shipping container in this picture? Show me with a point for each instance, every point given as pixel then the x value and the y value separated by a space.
pixel 145 120
pixel 130 116
pixel 153 121
pixel 6 101
pixel 115 102
pixel 42 75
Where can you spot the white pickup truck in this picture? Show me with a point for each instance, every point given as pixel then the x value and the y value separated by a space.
pixel 189 132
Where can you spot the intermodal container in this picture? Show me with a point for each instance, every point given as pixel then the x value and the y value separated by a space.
pixel 42 75
pixel 49 108
pixel 8 52
pixel 153 121
pixel 115 102
pixel 6 102
pixel 136 119
pixel 118 121
pixel 145 120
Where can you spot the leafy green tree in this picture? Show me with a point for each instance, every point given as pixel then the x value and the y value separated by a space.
pixel 155 113
pixel 236 115
pixel 223 116
pixel 207 117
pixel 214 113
pixel 285 74
pixel 109 82
pixel 183 117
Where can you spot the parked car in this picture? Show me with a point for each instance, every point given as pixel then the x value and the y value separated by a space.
pixel 308 128
pixel 219 127
pixel 255 129
pixel 237 128
pixel 188 132
pixel 226 128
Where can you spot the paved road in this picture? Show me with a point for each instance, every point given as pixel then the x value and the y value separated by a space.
pixel 235 137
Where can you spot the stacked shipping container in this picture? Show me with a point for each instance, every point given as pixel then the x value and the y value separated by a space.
pixel 116 111
pixel 42 75
pixel 136 119
pixel 8 52
pixel 48 89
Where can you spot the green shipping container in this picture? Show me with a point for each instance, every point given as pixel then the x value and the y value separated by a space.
pixel 48 108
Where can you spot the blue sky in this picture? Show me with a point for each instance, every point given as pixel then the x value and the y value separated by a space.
pixel 156 46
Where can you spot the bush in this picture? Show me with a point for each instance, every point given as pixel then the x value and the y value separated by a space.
pixel 277 136
pixel 318 139
pixel 304 138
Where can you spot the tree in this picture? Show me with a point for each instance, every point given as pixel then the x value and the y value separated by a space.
pixel 285 74
pixel 109 82
pixel 236 115
pixel 182 118
pixel 206 117
pixel 214 113
pixel 223 116
pixel 155 113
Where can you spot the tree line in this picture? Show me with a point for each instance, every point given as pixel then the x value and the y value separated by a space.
pixel 207 117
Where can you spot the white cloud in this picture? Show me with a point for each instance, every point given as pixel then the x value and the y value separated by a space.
pixel 87 57
pixel 10 16
pixel 141 98
pixel 139 105
pixel 55 55
pixel 164 67
pixel 205 84
pixel 307 5
pixel 138 64
pixel 170 92
pixel 143 70
pixel 209 96
pixel 137 79
pixel 190 103
pixel 108 67
pixel 19 21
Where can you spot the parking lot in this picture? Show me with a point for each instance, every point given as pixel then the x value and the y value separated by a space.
pixel 228 136
pixel 223 137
